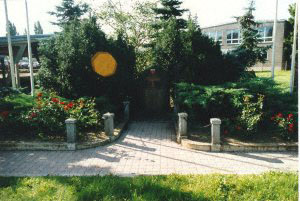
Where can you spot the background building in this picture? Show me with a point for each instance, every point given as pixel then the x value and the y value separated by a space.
pixel 229 37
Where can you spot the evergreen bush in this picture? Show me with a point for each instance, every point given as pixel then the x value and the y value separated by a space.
pixel 66 63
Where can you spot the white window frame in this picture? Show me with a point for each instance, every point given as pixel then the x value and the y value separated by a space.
pixel 230 41
pixel 215 38
pixel 265 37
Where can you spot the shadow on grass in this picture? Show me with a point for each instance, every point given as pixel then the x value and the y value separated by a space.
pixel 159 188
pixel 134 188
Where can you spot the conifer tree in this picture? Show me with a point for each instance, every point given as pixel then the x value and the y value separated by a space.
pixel 12 29
pixel 38 28
pixel 249 49
pixel 68 11
pixel 171 9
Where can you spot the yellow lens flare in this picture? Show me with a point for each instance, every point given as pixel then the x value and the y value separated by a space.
pixel 104 64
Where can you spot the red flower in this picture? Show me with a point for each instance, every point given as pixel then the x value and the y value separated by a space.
pixel 280 115
pixel 55 100
pixel 238 128
pixel 62 103
pixel 40 94
pixel 291 128
pixel 70 105
pixel 272 118
pixel 4 114
pixel 225 132
pixel 290 116
pixel 33 115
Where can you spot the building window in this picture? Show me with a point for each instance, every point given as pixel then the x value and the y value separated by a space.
pixel 265 33
pixel 216 36
pixel 233 36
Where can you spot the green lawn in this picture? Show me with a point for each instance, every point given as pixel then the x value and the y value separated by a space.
pixel 281 77
pixel 268 186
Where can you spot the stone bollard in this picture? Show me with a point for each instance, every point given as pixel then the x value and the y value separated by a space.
pixel 126 110
pixel 109 124
pixel 182 126
pixel 71 130
pixel 215 134
pixel 71 133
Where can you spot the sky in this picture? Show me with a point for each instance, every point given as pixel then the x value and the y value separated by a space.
pixel 209 12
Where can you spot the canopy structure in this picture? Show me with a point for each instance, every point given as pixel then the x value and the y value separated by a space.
pixel 19 45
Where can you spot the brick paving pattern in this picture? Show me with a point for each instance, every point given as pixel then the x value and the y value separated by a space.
pixel 146 148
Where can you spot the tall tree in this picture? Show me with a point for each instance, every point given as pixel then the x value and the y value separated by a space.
pixel 252 52
pixel 68 11
pixel 169 9
pixel 133 24
pixel 166 50
pixel 167 41
pixel 38 28
pixel 12 29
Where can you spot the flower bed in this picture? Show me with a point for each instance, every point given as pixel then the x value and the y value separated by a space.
pixel 45 119
pixel 252 109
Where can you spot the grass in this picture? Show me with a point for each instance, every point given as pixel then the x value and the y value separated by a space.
pixel 281 77
pixel 267 186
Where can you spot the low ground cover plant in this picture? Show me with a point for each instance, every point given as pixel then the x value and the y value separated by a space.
pixel 246 107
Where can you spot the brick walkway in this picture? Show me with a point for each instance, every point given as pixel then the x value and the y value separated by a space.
pixel 145 148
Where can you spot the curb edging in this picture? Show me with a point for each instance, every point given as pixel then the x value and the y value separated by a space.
pixel 230 147
pixel 61 146
pixel 233 147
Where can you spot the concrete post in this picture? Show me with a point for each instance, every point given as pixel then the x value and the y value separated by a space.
pixel 182 126
pixel 215 134
pixel 126 110
pixel 71 133
pixel 109 124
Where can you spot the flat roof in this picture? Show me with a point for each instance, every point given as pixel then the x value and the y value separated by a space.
pixel 23 38
pixel 228 23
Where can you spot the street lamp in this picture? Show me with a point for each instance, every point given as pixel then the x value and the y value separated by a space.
pixel 10 51
pixel 294 52
pixel 274 40
pixel 29 52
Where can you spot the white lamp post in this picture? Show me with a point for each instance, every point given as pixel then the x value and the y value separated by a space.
pixel 274 40
pixel 292 80
pixel 10 51
pixel 29 52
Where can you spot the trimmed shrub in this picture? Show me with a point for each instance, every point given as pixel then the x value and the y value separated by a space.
pixel 245 107
pixel 66 63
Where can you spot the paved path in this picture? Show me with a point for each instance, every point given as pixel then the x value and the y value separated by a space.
pixel 145 148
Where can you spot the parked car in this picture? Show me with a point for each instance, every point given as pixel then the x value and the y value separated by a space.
pixel 23 64
pixel 35 64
